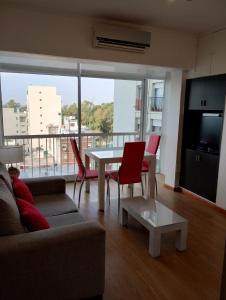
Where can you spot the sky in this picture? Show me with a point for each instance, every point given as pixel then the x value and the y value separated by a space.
pixel 14 86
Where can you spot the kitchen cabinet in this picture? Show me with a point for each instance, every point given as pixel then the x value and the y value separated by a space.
pixel 200 173
pixel 206 93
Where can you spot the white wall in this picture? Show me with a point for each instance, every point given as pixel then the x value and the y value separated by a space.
pixel 71 36
pixel 170 143
pixel 211 55
pixel 221 186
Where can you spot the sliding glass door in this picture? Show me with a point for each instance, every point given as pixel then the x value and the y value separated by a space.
pixel 41 112
pixel 38 112
pixel 154 110
pixel 111 107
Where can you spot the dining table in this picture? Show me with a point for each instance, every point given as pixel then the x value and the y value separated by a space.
pixel 104 156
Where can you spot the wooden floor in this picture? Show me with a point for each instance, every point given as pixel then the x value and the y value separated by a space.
pixel 131 273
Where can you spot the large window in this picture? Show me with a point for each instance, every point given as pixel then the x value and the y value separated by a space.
pixel 111 106
pixel 154 108
pixel 42 112
pixel 35 106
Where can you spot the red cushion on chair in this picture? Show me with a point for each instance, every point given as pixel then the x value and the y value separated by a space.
pixel 91 174
pixel 114 175
pixel 153 143
pixel 21 190
pixel 130 169
pixel 145 166
pixel 31 217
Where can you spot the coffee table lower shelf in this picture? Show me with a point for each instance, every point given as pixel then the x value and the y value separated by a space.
pixel 157 219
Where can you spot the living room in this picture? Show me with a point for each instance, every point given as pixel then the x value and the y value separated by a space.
pixel 48 33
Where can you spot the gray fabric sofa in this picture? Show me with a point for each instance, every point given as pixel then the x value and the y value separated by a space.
pixel 66 261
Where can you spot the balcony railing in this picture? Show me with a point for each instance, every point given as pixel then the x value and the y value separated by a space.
pixel 50 155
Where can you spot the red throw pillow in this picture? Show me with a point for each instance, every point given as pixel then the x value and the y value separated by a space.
pixel 21 190
pixel 31 217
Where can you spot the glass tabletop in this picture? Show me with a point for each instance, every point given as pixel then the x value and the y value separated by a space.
pixel 152 211
pixel 116 152
pixel 108 153
pixel 161 215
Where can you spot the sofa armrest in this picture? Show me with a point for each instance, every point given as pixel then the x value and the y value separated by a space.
pixel 65 262
pixel 46 185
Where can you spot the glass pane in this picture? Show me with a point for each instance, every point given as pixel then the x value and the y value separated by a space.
pixel 112 107
pixel 155 102
pixel 41 108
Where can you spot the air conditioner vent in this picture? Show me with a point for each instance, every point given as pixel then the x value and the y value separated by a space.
pixel 112 36
pixel 121 43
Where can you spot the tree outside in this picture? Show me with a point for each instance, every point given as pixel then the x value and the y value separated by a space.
pixel 94 117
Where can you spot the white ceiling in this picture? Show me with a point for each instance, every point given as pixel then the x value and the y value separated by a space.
pixel 195 16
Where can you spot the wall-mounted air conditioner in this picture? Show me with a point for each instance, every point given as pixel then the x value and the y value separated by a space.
pixel 124 38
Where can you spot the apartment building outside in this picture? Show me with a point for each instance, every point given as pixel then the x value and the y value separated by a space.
pixel 155 98
pixel 70 125
pixel 128 103
pixel 44 109
pixel 15 121
pixel 44 117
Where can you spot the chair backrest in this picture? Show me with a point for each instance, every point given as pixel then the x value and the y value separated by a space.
pixel 153 143
pixel 130 169
pixel 81 167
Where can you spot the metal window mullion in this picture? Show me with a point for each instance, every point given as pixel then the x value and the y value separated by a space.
pixel 74 162
pixel 46 154
pixel 79 107
pixel 24 154
pixel 143 109
pixel 39 159
pixel 1 115
pixel 67 156
pixel 61 156
pixel 32 161
pixel 54 161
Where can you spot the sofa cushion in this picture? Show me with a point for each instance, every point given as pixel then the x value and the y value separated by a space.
pixel 55 204
pixel 67 219
pixel 10 222
pixel 21 190
pixel 45 185
pixel 4 173
pixel 31 217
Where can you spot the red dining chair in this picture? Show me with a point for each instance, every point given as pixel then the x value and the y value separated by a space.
pixel 83 172
pixel 152 148
pixel 130 170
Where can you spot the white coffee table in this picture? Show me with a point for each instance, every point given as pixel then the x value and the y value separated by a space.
pixel 157 218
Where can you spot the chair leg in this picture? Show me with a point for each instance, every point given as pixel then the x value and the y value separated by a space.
pixel 156 188
pixel 130 188
pixel 145 180
pixel 142 187
pixel 75 187
pixel 80 190
pixel 118 198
